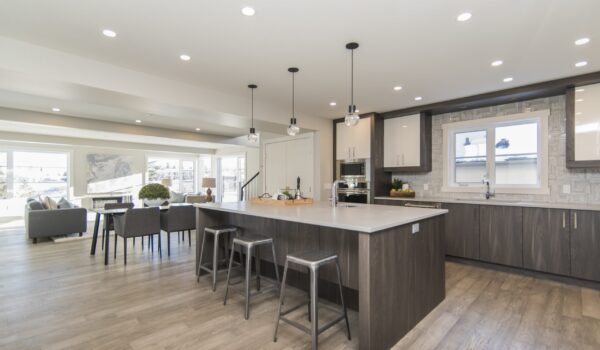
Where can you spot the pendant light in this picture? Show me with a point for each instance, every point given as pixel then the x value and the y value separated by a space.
pixel 352 118
pixel 252 136
pixel 293 129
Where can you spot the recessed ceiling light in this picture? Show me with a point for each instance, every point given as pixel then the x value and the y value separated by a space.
pixel 580 90
pixel 248 11
pixel 578 113
pixel 582 41
pixel 464 17
pixel 332 104
pixel 497 63
pixel 405 126
pixel 109 33
pixel 197 129
pixel 185 57
pixel 418 98
pixel 397 88
pixel 55 109
pixel 138 121
pixel 579 100
pixel 507 79
pixel 581 64
pixel 357 111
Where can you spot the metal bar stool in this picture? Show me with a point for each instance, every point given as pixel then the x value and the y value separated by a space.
pixel 214 267
pixel 250 242
pixel 313 260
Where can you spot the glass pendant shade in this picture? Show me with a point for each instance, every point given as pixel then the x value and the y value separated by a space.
pixel 352 118
pixel 293 129
pixel 252 136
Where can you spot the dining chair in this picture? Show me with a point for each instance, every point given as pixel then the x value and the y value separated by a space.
pixel 137 222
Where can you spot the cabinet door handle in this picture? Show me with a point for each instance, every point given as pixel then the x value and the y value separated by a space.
pixel 397 160
pixel 403 159
pixel 564 220
pixel 575 221
pixel 349 153
pixel 354 152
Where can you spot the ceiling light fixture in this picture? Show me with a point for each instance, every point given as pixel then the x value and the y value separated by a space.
pixel 581 64
pixel 55 109
pixel 252 135
pixel 464 17
pixel 293 128
pixel 507 79
pixel 248 11
pixel 197 129
pixel 418 98
pixel 580 90
pixel 579 100
pixel 332 104
pixel 185 57
pixel 397 88
pixel 352 118
pixel 582 41
pixel 109 33
pixel 497 63
pixel 138 121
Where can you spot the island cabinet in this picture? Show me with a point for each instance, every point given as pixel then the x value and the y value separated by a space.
pixel 585 244
pixel 462 230
pixel 546 240
pixel 501 235
pixel 353 142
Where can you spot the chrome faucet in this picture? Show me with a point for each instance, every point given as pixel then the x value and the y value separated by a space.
pixel 488 194
pixel 334 195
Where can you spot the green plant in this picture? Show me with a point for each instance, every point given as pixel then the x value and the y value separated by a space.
pixel 153 191
pixel 397 184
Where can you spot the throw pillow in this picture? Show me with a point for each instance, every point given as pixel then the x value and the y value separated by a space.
pixel 177 197
pixel 65 204
pixel 50 203
pixel 35 205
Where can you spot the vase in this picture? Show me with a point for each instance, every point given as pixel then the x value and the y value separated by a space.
pixel 154 202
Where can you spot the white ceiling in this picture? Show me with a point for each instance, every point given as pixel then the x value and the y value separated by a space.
pixel 416 44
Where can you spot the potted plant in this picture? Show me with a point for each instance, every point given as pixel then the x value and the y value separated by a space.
pixel 400 190
pixel 154 195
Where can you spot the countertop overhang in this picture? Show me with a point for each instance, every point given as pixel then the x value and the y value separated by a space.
pixel 366 218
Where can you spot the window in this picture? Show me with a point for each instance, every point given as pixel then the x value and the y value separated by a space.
pixel 181 171
pixel 3 175
pixel 509 151
pixel 204 167
pixel 40 174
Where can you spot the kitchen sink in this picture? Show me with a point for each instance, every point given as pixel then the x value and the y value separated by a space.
pixel 347 206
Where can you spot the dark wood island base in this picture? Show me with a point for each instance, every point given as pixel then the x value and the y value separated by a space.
pixel 396 275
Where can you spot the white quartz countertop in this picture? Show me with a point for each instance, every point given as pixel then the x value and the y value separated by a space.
pixel 367 218
pixel 494 201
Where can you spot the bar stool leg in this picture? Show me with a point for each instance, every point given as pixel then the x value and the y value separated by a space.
pixel 257 266
pixel 276 268
pixel 201 253
pixel 281 296
pixel 229 274
pixel 339 274
pixel 314 307
pixel 248 277
pixel 215 261
pixel 190 237
pixel 308 293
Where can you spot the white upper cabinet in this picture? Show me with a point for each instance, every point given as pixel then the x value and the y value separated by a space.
pixel 353 142
pixel 402 142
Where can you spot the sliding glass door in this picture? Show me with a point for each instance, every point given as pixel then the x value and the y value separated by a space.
pixel 231 174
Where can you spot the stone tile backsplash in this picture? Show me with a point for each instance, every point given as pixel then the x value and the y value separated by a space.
pixel 584 183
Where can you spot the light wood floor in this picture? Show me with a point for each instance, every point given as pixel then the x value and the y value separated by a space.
pixel 57 296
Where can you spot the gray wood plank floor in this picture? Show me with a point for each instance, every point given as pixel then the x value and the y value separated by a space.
pixel 57 296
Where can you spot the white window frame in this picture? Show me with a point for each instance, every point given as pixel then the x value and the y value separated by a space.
pixel 179 157
pixel 489 125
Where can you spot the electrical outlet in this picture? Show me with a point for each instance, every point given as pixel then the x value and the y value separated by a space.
pixel 426 187
pixel 566 189
pixel 415 228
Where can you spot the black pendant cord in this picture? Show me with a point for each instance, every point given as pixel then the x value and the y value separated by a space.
pixel 252 113
pixel 352 80
pixel 293 96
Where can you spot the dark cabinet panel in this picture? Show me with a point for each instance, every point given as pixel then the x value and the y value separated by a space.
pixel 501 234
pixel 546 240
pixel 389 202
pixel 462 230
pixel 585 244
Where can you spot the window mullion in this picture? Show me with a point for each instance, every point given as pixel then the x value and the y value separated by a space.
pixel 491 155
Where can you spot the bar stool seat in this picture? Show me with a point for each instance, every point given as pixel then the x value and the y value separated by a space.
pixel 251 242
pixel 213 268
pixel 313 260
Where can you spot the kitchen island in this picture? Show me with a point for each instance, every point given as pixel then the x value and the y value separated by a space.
pixel 392 258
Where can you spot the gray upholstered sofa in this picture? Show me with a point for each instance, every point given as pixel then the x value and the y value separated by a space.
pixel 54 222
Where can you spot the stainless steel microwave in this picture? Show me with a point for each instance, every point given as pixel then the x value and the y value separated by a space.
pixel 353 169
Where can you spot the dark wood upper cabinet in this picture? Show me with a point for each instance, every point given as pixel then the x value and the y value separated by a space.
pixel 546 240
pixel 407 143
pixel 585 244
pixel 501 235
pixel 462 230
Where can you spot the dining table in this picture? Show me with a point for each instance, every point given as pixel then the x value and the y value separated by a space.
pixel 105 215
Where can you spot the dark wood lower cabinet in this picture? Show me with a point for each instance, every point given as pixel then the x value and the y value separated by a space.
pixel 501 235
pixel 462 230
pixel 546 240
pixel 585 244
